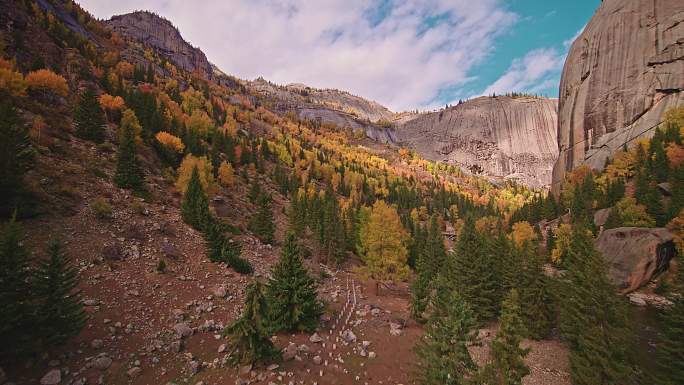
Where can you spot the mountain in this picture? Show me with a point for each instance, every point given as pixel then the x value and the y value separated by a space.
pixel 157 33
pixel 503 136
pixel 622 73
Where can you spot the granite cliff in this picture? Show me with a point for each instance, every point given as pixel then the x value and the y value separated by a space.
pixel 622 73
pixel 160 35
pixel 510 137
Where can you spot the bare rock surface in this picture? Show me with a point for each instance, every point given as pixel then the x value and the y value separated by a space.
pixel 635 254
pixel 512 137
pixel 159 34
pixel 621 74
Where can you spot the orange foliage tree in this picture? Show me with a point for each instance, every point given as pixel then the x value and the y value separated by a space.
pixel 111 104
pixel 46 81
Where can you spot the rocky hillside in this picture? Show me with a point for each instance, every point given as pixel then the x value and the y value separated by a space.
pixel 621 74
pixel 512 137
pixel 160 35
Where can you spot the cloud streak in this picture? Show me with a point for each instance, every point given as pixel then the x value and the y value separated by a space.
pixel 397 52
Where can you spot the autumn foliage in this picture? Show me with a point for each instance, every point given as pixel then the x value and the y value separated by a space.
pixel 205 169
pixel 170 142
pixel 47 81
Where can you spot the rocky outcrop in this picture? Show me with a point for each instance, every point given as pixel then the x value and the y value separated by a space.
pixel 621 74
pixel 512 137
pixel 635 255
pixel 160 35
pixel 328 106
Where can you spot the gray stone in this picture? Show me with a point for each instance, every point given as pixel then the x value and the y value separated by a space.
pixel 315 338
pixel 182 330
pixel 53 377
pixel 134 372
pixel 102 363
pixel 349 336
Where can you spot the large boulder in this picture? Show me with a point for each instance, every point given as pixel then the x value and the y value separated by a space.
pixel 635 254
pixel 621 74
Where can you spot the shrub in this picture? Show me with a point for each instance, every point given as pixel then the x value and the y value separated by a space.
pixel 161 266
pixel 47 81
pixel 101 208
pixel 12 82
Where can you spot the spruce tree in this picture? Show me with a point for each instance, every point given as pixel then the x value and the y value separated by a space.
pixel 535 301
pixel 472 270
pixel 592 315
pixel 60 310
pixel 646 193
pixel 670 352
pixel 262 222
pixel 442 352
pixel 248 339
pixel 129 173
pixel 431 259
pixel 17 322
pixel 16 156
pixel 89 118
pixel 292 293
pixel 506 358
pixel 195 205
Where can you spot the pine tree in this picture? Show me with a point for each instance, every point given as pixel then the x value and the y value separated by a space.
pixel 291 292
pixel 150 74
pixel 195 205
pixel 443 356
pixel 17 322
pixel 89 118
pixel 592 315
pixel 254 192
pixel 431 259
pixel 129 173
pixel 262 222
pixel 474 277
pixel 646 193
pixel 16 156
pixel 535 301
pixel 670 352
pixel 249 341
pixel 60 310
pixel 506 361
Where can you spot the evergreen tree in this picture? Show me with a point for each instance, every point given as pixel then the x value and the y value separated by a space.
pixel 195 205
pixel 16 156
pixel 150 74
pixel 592 315
pixel 331 231
pixel 677 188
pixel 129 173
pixel 292 293
pixel 249 341
pixel 472 272
pixel 89 118
pixel 506 358
pixel 443 356
pixel 646 192
pixel 60 310
pixel 670 352
pixel 17 322
pixel 262 222
pixel 224 249
pixel 535 301
pixel 431 259
pixel 254 192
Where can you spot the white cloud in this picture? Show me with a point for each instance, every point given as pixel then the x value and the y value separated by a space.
pixel 536 71
pixel 403 61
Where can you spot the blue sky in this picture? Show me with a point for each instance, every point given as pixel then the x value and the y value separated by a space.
pixel 405 54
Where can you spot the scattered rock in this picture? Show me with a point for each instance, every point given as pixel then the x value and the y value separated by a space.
pixel 112 252
pixel 220 291
pixel 182 330
pixel 222 348
pixel 272 367
pixel 102 363
pixel 134 372
pixel 53 377
pixel 193 367
pixel 290 352
pixel 176 346
pixel 349 336
pixel 171 251
pixel 372 355
pixel 96 344
pixel 395 329
pixel 91 302
pixel 317 360
pixel 315 338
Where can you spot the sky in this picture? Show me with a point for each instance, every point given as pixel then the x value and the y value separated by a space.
pixel 404 54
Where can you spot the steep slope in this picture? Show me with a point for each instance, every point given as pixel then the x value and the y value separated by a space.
pixel 329 106
pixel 160 35
pixel 621 74
pixel 511 137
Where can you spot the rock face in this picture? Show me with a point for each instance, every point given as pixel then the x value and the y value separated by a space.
pixel 621 74
pixel 513 137
pixel 328 106
pixel 635 254
pixel 160 35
